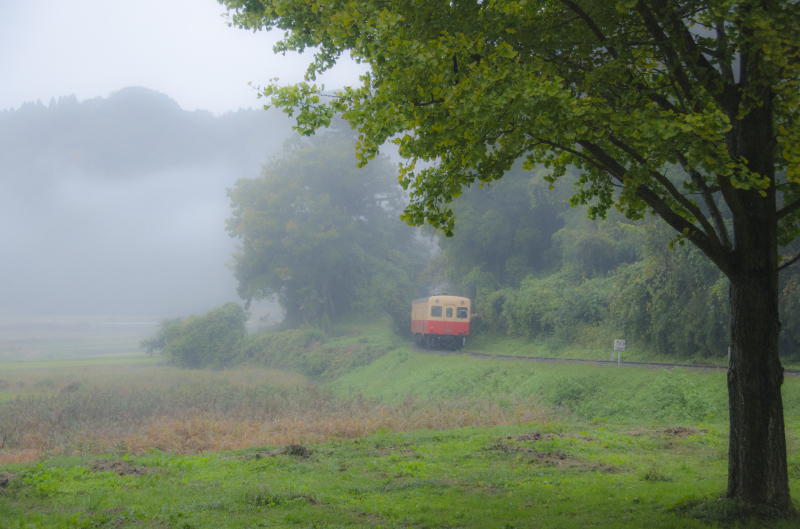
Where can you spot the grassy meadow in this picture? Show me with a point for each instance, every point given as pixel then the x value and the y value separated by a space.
pixel 406 439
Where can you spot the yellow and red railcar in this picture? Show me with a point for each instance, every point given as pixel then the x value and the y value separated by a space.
pixel 441 321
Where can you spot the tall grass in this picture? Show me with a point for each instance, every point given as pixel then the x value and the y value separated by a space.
pixel 211 417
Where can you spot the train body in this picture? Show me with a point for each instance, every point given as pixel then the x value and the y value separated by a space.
pixel 441 321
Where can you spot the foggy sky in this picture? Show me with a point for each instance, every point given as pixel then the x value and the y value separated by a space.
pixel 130 226
pixel 152 245
pixel 183 48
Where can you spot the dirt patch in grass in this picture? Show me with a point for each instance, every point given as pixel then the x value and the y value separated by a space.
pixel 120 468
pixel 540 456
pixel 681 432
pixel 297 451
pixel 533 437
pixel 677 432
pixel 290 450
pixel 5 479
pixel 553 458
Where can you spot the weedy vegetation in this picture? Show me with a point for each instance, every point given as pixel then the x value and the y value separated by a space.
pixel 191 412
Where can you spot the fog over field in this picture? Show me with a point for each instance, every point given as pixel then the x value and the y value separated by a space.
pixel 117 205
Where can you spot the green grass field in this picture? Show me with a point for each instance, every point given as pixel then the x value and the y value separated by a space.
pixel 534 475
pixel 407 439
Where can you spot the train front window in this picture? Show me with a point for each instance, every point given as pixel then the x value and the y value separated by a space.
pixel 449 313
pixel 436 312
pixel 461 312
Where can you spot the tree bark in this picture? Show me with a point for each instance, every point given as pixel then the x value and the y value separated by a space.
pixel 757 469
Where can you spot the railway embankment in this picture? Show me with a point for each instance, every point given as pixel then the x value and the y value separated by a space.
pixel 592 390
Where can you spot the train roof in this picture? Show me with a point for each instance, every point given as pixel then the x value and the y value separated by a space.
pixel 421 300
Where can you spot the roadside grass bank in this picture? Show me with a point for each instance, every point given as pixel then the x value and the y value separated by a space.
pixel 591 349
pixel 619 394
pixel 590 344
pixel 558 474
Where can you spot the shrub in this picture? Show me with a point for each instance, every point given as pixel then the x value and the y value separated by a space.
pixel 211 340
pixel 558 304
pixel 309 351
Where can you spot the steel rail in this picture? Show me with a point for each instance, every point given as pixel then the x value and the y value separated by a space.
pixel 663 365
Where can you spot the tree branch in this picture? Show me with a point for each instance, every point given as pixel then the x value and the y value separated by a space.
pixel 724 93
pixel 571 151
pixel 711 204
pixel 789 263
pixel 592 26
pixel 706 244
pixel 670 187
pixel 672 60
pixel 788 210
pixel 727 68
pixel 655 97
pixel 688 204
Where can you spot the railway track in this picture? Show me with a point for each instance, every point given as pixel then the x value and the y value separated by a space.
pixel 652 365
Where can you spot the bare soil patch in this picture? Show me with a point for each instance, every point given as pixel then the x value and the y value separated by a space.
pixel 677 432
pixel 540 456
pixel 682 431
pixel 120 468
pixel 533 437
pixel 294 450
pixel 551 458
pixel 5 479
pixel 297 451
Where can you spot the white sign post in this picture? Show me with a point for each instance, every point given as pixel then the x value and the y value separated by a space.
pixel 619 345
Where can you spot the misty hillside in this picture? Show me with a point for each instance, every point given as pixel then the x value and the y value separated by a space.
pixel 117 205
pixel 133 132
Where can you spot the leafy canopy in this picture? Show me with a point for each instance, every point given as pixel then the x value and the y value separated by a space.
pixel 505 229
pixel 320 234
pixel 618 89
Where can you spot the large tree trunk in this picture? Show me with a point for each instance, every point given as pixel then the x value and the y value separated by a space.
pixel 757 471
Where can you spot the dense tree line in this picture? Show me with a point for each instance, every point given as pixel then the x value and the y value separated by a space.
pixel 132 132
pixel 322 237
pixel 582 282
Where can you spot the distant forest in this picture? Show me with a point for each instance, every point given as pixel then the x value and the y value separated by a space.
pixel 133 132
